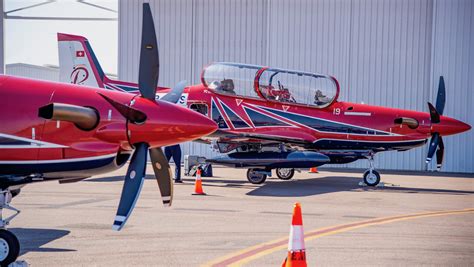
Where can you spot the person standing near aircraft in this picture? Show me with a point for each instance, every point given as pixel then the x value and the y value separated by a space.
pixel 175 152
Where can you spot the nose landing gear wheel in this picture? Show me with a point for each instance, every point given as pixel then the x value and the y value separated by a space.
pixel 285 173
pixel 9 247
pixel 371 178
pixel 256 176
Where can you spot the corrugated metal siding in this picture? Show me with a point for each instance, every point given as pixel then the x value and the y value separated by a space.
pixel 383 52
pixel 33 71
pixel 226 30
pixel 453 57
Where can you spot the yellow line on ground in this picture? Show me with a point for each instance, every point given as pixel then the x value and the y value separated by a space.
pixel 246 255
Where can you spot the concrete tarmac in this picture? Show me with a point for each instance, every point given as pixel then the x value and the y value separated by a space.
pixel 71 224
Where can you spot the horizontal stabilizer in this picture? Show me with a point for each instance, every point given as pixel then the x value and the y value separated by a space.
pixel 175 94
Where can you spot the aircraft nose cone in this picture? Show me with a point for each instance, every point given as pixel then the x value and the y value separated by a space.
pixel 450 126
pixel 198 125
pixel 169 124
pixel 182 125
pixel 464 127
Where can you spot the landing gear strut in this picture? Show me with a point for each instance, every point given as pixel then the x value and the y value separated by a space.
pixel 371 176
pixel 9 244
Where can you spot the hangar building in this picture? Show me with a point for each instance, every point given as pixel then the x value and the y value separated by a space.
pixel 383 52
pixel 388 53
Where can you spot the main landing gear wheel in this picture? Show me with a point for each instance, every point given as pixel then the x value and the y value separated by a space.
pixel 9 244
pixel 285 173
pixel 256 176
pixel 9 247
pixel 371 177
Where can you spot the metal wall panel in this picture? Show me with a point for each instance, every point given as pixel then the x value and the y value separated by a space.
pixel 390 64
pixel 226 30
pixel 33 71
pixel 383 52
pixel 453 57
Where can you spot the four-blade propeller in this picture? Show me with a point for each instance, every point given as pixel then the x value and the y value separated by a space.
pixel 436 143
pixel 148 80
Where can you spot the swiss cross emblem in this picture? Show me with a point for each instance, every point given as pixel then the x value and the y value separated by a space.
pixel 79 53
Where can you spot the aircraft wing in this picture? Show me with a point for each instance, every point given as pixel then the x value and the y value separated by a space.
pixel 229 140
pixel 238 138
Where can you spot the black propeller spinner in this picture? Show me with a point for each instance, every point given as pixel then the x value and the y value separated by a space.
pixel 148 80
pixel 436 143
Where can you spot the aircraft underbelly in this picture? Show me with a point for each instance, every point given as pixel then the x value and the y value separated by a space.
pixel 368 145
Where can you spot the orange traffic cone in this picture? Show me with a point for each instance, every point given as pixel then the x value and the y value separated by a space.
pixel 313 170
pixel 296 249
pixel 198 184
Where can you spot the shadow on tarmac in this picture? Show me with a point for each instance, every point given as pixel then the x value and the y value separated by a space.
pixel 302 187
pixel 331 184
pixel 114 178
pixel 32 239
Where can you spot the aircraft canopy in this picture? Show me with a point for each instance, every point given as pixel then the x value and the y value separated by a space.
pixel 278 85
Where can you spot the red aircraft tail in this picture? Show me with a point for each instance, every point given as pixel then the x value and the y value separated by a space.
pixel 77 62
pixel 79 65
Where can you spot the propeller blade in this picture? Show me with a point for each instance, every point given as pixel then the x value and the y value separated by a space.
pixel 149 59
pixel 440 154
pixel 162 171
pixel 441 98
pixel 131 114
pixel 433 113
pixel 174 95
pixel 132 185
pixel 433 146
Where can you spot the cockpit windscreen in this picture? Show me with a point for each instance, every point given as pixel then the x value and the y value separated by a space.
pixel 298 87
pixel 231 79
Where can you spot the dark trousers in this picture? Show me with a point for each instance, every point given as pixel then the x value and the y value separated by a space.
pixel 175 152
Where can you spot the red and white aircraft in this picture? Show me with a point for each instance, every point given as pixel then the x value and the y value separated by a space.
pixel 281 119
pixel 66 132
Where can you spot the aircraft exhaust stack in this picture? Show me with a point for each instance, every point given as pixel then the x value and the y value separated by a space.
pixel 85 118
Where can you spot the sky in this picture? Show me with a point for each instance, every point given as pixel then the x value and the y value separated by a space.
pixel 35 41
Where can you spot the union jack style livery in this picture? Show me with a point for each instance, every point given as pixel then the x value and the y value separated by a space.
pixel 281 119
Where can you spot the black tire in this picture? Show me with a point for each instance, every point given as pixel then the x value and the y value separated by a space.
pixel 256 178
pixel 285 173
pixel 371 180
pixel 9 247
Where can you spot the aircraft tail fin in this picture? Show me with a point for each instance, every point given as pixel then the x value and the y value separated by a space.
pixel 78 63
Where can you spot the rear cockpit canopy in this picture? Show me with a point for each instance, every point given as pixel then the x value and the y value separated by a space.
pixel 277 85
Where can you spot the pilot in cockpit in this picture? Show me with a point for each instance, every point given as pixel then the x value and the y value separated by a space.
pixel 320 99
pixel 227 85
pixel 224 86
